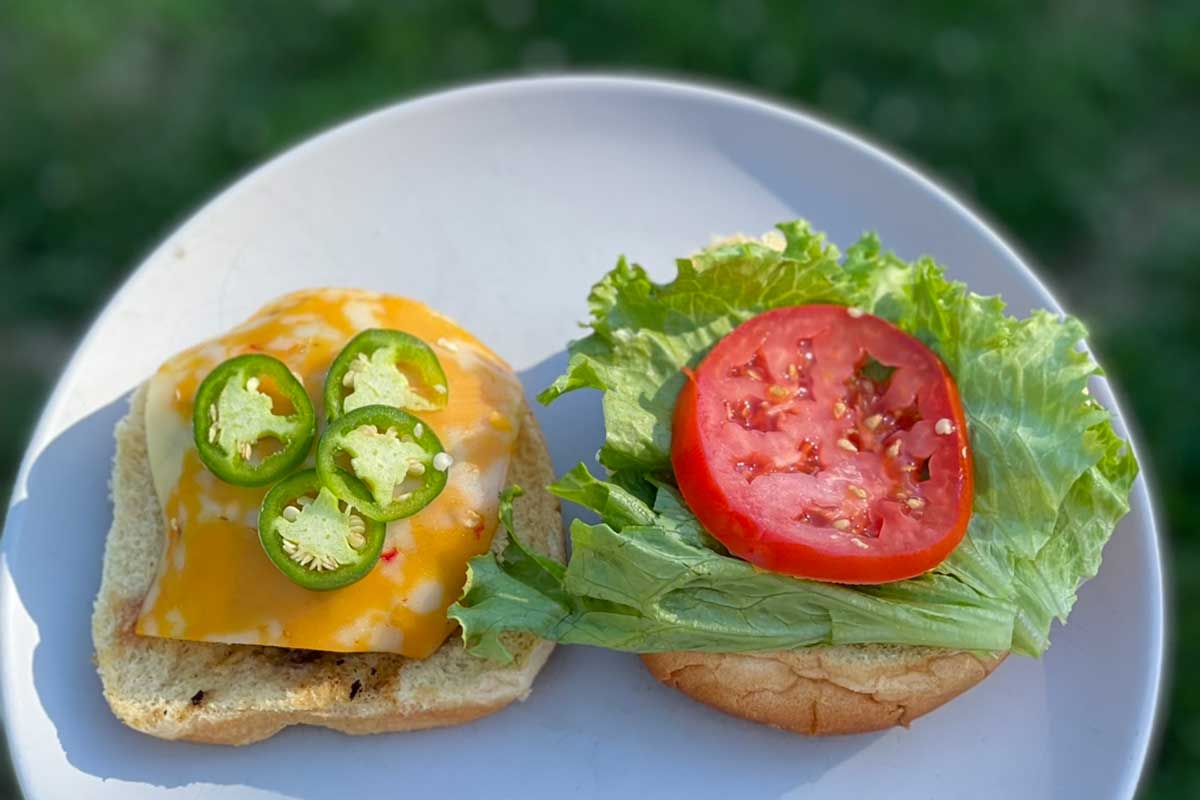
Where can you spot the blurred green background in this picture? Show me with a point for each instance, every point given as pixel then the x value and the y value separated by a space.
pixel 1074 125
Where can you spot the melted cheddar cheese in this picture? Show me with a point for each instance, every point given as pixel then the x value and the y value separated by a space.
pixel 214 581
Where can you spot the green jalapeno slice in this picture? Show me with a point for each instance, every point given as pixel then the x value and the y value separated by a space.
pixel 316 540
pixel 377 367
pixel 238 433
pixel 397 456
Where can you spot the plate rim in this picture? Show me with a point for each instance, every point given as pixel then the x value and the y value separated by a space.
pixel 700 88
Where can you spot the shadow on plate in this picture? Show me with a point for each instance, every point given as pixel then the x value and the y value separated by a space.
pixel 596 724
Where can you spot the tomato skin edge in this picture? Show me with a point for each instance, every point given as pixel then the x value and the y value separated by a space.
pixel 694 480
pixel 966 463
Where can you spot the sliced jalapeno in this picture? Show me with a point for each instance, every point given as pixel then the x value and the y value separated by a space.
pixel 233 415
pixel 374 369
pixel 315 539
pixel 395 454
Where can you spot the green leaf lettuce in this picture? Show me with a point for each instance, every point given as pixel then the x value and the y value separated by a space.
pixel 1051 476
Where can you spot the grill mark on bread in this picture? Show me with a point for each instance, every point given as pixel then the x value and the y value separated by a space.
pixel 305 656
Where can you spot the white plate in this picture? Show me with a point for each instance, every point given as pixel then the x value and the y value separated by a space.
pixel 500 205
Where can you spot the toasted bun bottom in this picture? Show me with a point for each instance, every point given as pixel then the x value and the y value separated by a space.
pixel 825 691
pixel 237 694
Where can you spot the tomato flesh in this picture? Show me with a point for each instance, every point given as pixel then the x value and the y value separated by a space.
pixel 825 443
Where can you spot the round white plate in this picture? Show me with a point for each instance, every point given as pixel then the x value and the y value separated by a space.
pixel 500 205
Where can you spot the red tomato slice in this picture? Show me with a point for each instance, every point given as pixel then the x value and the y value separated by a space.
pixel 822 442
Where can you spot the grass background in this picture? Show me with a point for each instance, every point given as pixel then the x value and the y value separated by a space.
pixel 1074 125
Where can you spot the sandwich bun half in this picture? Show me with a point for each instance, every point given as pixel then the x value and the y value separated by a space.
pixel 826 691
pixel 237 694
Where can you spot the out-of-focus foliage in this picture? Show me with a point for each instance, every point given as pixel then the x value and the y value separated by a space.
pixel 1075 125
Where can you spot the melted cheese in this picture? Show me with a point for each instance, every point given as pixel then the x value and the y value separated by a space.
pixel 214 581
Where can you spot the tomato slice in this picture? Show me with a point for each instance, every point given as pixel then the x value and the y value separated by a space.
pixel 825 443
